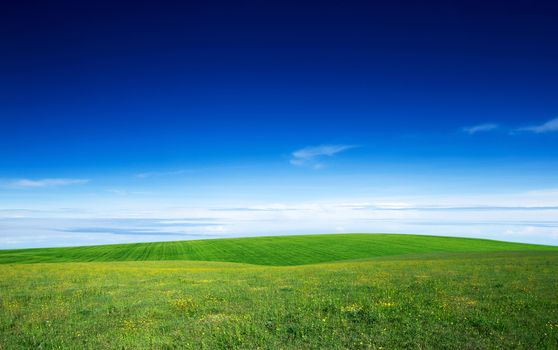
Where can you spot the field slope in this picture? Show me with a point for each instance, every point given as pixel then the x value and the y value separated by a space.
pixel 370 291
pixel 496 300
pixel 277 251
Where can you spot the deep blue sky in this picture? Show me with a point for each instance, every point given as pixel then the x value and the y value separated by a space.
pixel 155 96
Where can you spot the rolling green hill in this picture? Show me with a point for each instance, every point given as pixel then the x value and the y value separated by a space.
pixel 490 300
pixel 278 250
pixel 391 291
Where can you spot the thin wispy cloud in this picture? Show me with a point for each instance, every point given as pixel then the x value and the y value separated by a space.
pixel 133 231
pixel 312 156
pixel 198 170
pixel 149 174
pixel 486 127
pixel 549 126
pixel 255 209
pixel 460 208
pixel 41 183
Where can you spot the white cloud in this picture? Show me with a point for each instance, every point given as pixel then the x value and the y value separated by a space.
pixel 471 130
pixel 149 174
pixel 119 191
pixel 310 156
pixel 549 126
pixel 27 183
pixel 163 173
pixel 488 215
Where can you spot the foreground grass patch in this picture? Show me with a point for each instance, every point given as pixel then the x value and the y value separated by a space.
pixel 464 300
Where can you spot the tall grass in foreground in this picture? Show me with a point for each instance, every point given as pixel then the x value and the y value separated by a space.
pixel 449 301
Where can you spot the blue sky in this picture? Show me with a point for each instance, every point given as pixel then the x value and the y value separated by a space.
pixel 160 120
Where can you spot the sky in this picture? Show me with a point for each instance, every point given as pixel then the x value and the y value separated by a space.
pixel 163 120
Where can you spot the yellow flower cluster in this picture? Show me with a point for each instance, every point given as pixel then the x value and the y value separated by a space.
pixel 352 308
pixel 184 304
pixel 142 323
pixel 386 303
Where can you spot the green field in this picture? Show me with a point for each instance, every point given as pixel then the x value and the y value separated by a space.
pixel 295 292
pixel 278 250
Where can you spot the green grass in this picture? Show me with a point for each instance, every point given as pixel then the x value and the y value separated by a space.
pixel 279 251
pixel 415 292
pixel 446 301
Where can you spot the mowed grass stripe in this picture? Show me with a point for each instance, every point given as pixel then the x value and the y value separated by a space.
pixel 276 250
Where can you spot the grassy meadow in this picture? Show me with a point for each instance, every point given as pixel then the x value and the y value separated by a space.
pixel 275 250
pixel 294 292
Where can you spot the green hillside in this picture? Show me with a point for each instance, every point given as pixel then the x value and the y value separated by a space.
pixel 279 250
pixel 496 300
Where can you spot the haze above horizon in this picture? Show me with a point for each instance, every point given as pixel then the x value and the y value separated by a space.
pixel 152 121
